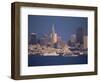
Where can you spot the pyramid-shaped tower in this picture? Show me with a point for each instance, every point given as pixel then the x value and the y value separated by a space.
pixel 53 36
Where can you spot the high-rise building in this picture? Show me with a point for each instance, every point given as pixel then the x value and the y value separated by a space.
pixel 85 40
pixel 79 35
pixel 73 38
pixel 33 38
pixel 53 36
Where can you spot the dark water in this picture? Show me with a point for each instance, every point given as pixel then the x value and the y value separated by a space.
pixel 56 60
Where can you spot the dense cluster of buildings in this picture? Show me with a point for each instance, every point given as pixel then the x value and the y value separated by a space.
pixel 54 45
pixel 79 40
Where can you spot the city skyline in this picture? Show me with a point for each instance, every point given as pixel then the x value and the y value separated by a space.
pixel 56 40
pixel 79 39
pixel 64 26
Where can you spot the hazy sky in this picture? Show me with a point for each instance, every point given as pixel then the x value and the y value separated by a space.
pixel 64 26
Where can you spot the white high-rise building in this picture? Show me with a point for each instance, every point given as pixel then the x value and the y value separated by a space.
pixel 53 36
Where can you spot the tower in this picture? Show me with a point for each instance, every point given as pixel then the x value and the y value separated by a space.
pixel 53 36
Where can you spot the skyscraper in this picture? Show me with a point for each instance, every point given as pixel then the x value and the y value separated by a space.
pixel 85 42
pixel 73 38
pixel 33 38
pixel 79 35
pixel 53 36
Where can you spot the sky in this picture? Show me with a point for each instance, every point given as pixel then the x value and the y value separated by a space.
pixel 64 26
